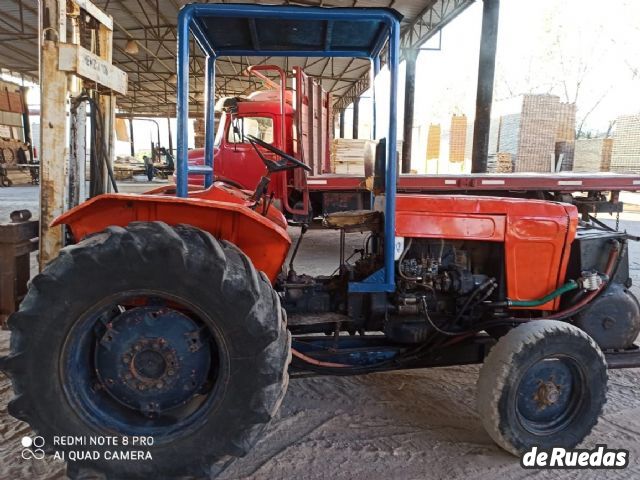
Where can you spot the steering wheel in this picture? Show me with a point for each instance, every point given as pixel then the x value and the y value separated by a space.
pixel 288 163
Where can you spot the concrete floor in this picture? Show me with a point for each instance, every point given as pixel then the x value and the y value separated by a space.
pixel 403 425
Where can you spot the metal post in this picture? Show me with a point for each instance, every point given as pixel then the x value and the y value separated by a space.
pixel 26 122
pixel 182 102
pixel 53 133
pixel 356 119
pixel 131 141
pixel 390 193
pixel 107 102
pixel 376 71
pixel 209 124
pixel 77 157
pixel 484 95
pixel 341 123
pixel 170 135
pixel 409 102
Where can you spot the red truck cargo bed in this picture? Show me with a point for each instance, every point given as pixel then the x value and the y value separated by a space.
pixel 560 182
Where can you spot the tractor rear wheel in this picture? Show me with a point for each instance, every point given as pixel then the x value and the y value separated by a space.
pixel 150 332
pixel 543 384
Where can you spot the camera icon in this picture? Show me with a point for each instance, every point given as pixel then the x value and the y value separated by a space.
pixel 32 448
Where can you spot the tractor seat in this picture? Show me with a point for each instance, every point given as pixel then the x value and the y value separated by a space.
pixel 354 220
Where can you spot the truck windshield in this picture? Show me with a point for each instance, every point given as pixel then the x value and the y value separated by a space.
pixel 260 127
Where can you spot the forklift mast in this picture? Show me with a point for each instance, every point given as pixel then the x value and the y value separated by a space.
pixel 260 30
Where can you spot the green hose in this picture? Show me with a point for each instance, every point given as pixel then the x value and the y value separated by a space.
pixel 567 287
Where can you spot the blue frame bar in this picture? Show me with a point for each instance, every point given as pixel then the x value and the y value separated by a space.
pixel 209 123
pixel 189 21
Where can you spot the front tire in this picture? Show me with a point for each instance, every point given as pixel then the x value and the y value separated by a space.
pixel 150 330
pixel 543 384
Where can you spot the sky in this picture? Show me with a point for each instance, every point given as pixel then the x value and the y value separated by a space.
pixel 586 51
pixel 583 51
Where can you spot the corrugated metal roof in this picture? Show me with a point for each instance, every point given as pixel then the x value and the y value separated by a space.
pixel 152 24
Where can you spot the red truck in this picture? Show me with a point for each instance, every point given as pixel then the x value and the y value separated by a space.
pixel 299 121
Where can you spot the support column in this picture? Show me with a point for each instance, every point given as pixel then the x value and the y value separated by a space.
pixel 107 102
pixel 356 117
pixel 484 95
pixel 341 120
pixel 131 141
pixel 53 145
pixel 170 135
pixel 409 102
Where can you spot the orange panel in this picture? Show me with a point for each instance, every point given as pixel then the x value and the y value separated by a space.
pixel 452 225
pixel 537 235
pixel 266 243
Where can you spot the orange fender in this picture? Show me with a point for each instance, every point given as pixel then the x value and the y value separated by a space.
pixel 264 241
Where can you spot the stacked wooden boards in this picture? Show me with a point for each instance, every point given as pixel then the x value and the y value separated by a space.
pixel 355 156
pixel 625 154
pixel 457 138
pixel 592 155
pixel 348 155
pixel 433 141
pixel 198 133
pixel 538 136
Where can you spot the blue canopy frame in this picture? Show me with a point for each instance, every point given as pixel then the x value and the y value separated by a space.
pixel 262 30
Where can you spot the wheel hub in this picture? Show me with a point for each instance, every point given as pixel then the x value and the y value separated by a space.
pixel 152 359
pixel 547 394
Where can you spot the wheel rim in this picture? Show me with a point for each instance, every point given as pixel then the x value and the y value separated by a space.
pixel 550 395
pixel 143 363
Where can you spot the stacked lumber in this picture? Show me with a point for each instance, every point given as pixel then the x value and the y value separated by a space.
pixel 607 150
pixel 9 151
pixel 348 155
pixel 433 141
pixel 592 155
pixel 565 135
pixel 494 137
pixel 356 156
pixel 538 128
pixel 19 176
pixel 625 154
pixel 504 163
pixel 509 133
pixel 199 133
pixel 457 138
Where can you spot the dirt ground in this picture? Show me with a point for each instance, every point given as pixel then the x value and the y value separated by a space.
pixel 406 425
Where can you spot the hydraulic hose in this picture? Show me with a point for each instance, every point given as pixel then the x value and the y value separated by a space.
pixel 612 266
pixel 567 287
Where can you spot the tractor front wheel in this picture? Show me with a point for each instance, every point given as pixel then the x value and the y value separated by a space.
pixel 543 384
pixel 162 337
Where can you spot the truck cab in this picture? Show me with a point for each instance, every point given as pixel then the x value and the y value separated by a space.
pixel 235 159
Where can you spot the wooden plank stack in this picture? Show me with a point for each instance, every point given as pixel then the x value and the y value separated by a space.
pixel 538 127
pixel 457 138
pixel 433 141
pixel 348 155
pixel 355 156
pixel 504 163
pixel 199 133
pixel 566 135
pixel 592 155
pixel 625 154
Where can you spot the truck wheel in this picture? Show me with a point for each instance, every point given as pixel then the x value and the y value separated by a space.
pixel 160 334
pixel 544 383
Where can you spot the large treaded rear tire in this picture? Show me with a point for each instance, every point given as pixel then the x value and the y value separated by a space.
pixel 191 264
pixel 504 383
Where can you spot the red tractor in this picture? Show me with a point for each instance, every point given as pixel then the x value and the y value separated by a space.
pixel 174 320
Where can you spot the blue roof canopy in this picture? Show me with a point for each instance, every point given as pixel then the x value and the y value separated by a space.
pixel 293 30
